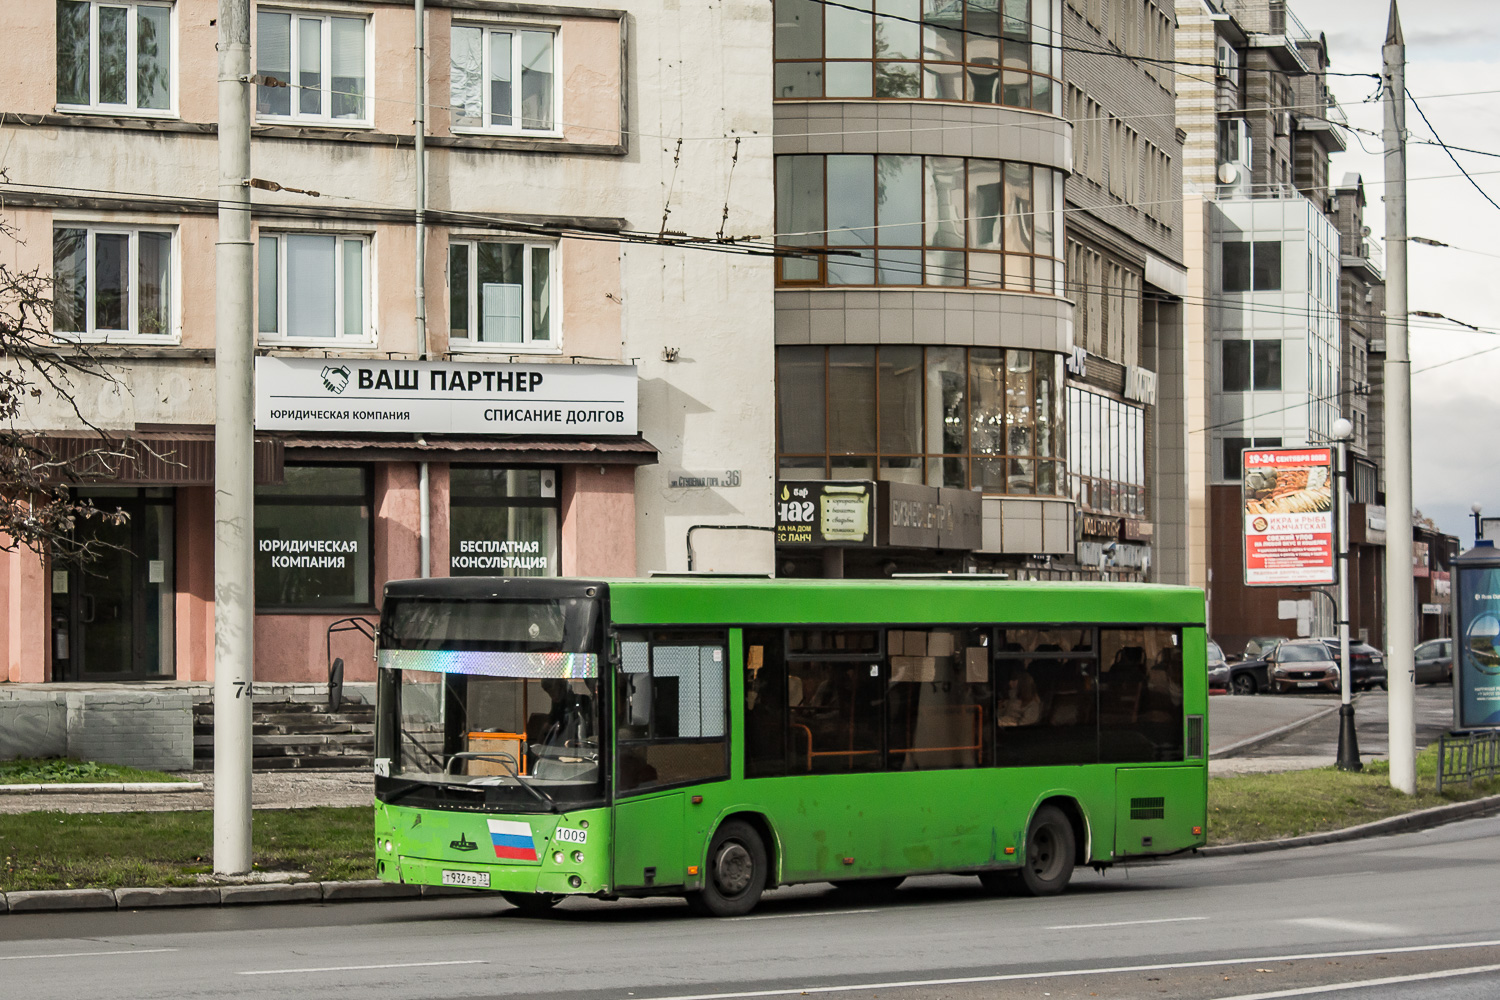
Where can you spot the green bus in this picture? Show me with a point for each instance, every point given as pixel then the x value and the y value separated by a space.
pixel 714 738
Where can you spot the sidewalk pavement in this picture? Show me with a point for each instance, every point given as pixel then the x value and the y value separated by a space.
pixel 292 789
pixel 1239 723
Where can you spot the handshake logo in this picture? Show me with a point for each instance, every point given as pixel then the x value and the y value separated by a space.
pixel 335 378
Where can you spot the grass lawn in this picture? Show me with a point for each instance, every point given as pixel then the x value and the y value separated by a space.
pixel 64 770
pixel 1250 807
pixel 51 850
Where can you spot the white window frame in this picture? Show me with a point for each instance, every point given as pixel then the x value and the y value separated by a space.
pixel 129 108
pixel 515 128
pixel 325 40
pixel 527 346
pixel 131 335
pixel 281 337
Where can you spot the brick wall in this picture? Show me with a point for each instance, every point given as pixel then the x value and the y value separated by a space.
pixel 148 729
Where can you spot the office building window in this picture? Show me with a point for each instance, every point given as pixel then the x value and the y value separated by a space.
pixel 114 57
pixel 312 539
pixel 502 522
pixel 972 418
pixel 1251 365
pixel 1107 453
pixel 502 294
pixel 1234 459
pixel 920 220
pixel 1252 267
pixel 314 286
pixel 984 51
pixel 112 284
pixel 502 79
pixel 318 65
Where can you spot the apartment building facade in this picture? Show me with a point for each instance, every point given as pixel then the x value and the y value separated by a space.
pixel 1287 293
pixel 583 397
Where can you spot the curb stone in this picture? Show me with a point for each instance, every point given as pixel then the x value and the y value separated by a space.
pixel 1422 819
pixel 104 788
pixel 60 899
pixel 286 892
pixel 140 898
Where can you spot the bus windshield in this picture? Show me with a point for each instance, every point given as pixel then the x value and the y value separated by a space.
pixel 491 703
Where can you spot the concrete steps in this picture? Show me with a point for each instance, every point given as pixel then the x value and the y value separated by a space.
pixel 295 730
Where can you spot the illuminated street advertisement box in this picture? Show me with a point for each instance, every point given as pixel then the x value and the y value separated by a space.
pixel 1288 507
pixel 443 397
pixel 1476 638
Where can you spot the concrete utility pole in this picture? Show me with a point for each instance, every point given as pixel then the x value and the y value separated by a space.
pixel 424 480
pixel 1400 594
pixel 234 452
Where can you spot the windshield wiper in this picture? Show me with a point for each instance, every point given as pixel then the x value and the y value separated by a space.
pixel 504 762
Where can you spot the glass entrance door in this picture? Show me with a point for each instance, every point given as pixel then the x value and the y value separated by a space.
pixel 115 614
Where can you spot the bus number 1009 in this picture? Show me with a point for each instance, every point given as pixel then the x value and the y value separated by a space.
pixel 572 836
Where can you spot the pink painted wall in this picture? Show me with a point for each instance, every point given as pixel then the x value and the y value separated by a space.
pixel 598 520
pixel 26 598
pixel 195 583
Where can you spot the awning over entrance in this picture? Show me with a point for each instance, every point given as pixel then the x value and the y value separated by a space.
pixel 175 457
pixel 471 448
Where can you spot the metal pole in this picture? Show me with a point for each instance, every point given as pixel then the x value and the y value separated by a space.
pixel 1348 759
pixel 234 452
pixel 420 149
pixel 1400 594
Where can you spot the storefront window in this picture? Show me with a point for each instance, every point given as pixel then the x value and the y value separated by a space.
pixel 1107 453
pixel 920 220
pixel 985 51
pixel 502 522
pixel 970 418
pixel 312 539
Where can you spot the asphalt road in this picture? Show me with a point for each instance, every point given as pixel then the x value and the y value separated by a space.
pixel 1393 917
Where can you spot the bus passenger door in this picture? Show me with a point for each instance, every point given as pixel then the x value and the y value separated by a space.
pixel 648 841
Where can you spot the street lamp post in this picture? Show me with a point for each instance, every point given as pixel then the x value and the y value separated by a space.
pixel 1477 510
pixel 1348 760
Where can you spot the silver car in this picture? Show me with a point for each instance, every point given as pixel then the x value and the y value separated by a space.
pixel 1302 665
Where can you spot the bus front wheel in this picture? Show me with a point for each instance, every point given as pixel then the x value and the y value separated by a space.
pixel 1049 853
pixel 735 874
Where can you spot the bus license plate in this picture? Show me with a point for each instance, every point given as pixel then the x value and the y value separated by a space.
pixel 473 880
pixel 1307 684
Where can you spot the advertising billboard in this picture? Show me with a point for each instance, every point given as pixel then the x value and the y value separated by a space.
pixel 825 514
pixel 1288 508
pixel 1476 646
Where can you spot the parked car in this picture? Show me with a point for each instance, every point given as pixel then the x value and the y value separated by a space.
pixel 1259 647
pixel 1366 664
pixel 1302 664
pixel 1434 662
pixel 1218 668
pixel 1248 677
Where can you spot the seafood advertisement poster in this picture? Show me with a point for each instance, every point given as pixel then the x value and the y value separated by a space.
pixel 1288 502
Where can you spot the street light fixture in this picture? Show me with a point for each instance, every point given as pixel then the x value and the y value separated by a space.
pixel 1342 433
pixel 1477 510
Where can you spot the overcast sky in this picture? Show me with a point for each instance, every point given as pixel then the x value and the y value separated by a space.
pixel 1453 47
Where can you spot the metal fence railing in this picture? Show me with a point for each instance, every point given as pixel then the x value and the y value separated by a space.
pixel 1466 756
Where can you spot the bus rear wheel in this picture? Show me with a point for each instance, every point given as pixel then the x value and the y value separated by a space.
pixel 1049 853
pixel 735 873
pixel 532 903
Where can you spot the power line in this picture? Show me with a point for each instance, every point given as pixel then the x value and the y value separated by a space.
pixel 1449 151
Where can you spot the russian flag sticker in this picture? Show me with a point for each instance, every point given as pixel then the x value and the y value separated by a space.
pixel 512 840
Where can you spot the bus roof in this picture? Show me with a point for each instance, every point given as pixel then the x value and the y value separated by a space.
pixel 705 600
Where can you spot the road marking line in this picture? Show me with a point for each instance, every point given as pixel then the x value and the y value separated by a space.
pixel 793 916
pixel 1066 973
pixel 359 968
pixel 87 954
pixel 1361 984
pixel 1353 926
pixel 1122 923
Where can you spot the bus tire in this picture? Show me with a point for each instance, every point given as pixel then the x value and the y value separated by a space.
pixel 1049 853
pixel 532 903
pixel 734 873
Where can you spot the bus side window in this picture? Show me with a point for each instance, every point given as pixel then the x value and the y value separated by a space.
pixel 938 698
pixel 765 704
pixel 1140 694
pixel 1046 685
pixel 671 709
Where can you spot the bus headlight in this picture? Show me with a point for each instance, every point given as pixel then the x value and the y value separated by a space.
pixel 575 881
pixel 387 847
pixel 557 857
pixel 578 857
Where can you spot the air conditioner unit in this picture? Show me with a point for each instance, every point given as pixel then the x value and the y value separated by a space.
pixel 1283 123
pixel 1226 60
